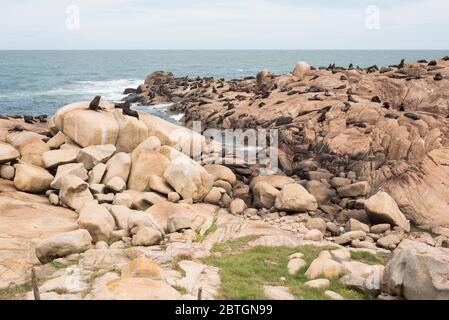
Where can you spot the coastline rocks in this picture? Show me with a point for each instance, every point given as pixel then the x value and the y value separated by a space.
pixel 132 132
pixel 118 166
pixel 62 245
pixel 97 220
pixel 277 182
pixel 7 172
pixel 75 169
pixel 8 153
pixel 264 195
pixel 146 236
pixel 301 69
pixel 74 192
pixel 33 179
pixel 354 190
pixel 87 127
pixel 188 178
pixel 134 289
pixel 324 266
pixel 95 154
pixel 238 206
pixel 417 272
pixel 220 172
pixel 55 158
pixel 57 140
pixel 294 197
pixel 381 208
pixel 159 184
pixel 146 160
pixel 421 190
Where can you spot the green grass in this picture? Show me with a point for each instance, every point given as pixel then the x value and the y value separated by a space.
pixel 232 245
pixel 15 292
pixel 245 273
pixel 60 265
pixel 209 231
pixel 367 257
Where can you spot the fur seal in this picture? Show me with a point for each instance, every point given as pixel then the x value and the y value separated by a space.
pixel 422 61
pixel 401 64
pixel 94 105
pixel 438 77
pixel 412 116
pixel 17 128
pixel 391 116
pixel 432 63
pixel 376 99
pixel 346 107
pixel 351 66
pixel 28 119
pixel 386 105
pixel 126 110
pixel 343 78
pixel 351 99
pixel 446 58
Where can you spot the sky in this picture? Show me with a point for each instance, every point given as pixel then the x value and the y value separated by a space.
pixel 224 24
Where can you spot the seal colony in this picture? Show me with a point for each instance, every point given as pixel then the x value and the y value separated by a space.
pixel 362 170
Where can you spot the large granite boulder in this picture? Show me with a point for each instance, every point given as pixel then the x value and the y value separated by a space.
pixel 87 127
pixel 188 178
pixel 294 197
pixel 146 160
pixel 132 132
pixel 421 190
pixel 8 153
pixel 74 192
pixel 417 272
pixel 62 245
pixel 382 208
pixel 32 179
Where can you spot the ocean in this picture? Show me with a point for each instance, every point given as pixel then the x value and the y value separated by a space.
pixel 40 82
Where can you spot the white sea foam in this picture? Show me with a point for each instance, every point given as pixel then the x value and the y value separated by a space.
pixel 109 90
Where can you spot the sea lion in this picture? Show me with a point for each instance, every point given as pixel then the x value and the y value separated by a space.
pixel 28 119
pixel 446 58
pixel 17 128
pixel 94 105
pixel 126 110
pixel 438 77
pixel 351 99
pixel 422 61
pixel 351 66
pixel 401 64
pixel 346 107
pixel 376 99
pixel 391 116
pixel 412 116
pixel 432 63
pixel 315 98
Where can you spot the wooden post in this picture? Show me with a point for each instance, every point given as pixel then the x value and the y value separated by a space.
pixel 200 293
pixel 37 295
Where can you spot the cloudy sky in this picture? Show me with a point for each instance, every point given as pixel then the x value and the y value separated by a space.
pixel 224 24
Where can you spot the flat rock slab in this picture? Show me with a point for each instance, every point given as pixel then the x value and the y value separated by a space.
pixel 278 293
pixel 25 220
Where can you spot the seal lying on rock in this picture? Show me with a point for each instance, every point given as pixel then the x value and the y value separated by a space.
pixel 126 109
pixel 17 128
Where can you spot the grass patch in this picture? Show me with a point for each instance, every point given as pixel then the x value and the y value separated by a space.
pixel 367 257
pixel 209 231
pixel 61 265
pixel 244 274
pixel 15 292
pixel 232 245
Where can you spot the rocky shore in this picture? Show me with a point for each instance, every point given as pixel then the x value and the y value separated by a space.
pixel 108 203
